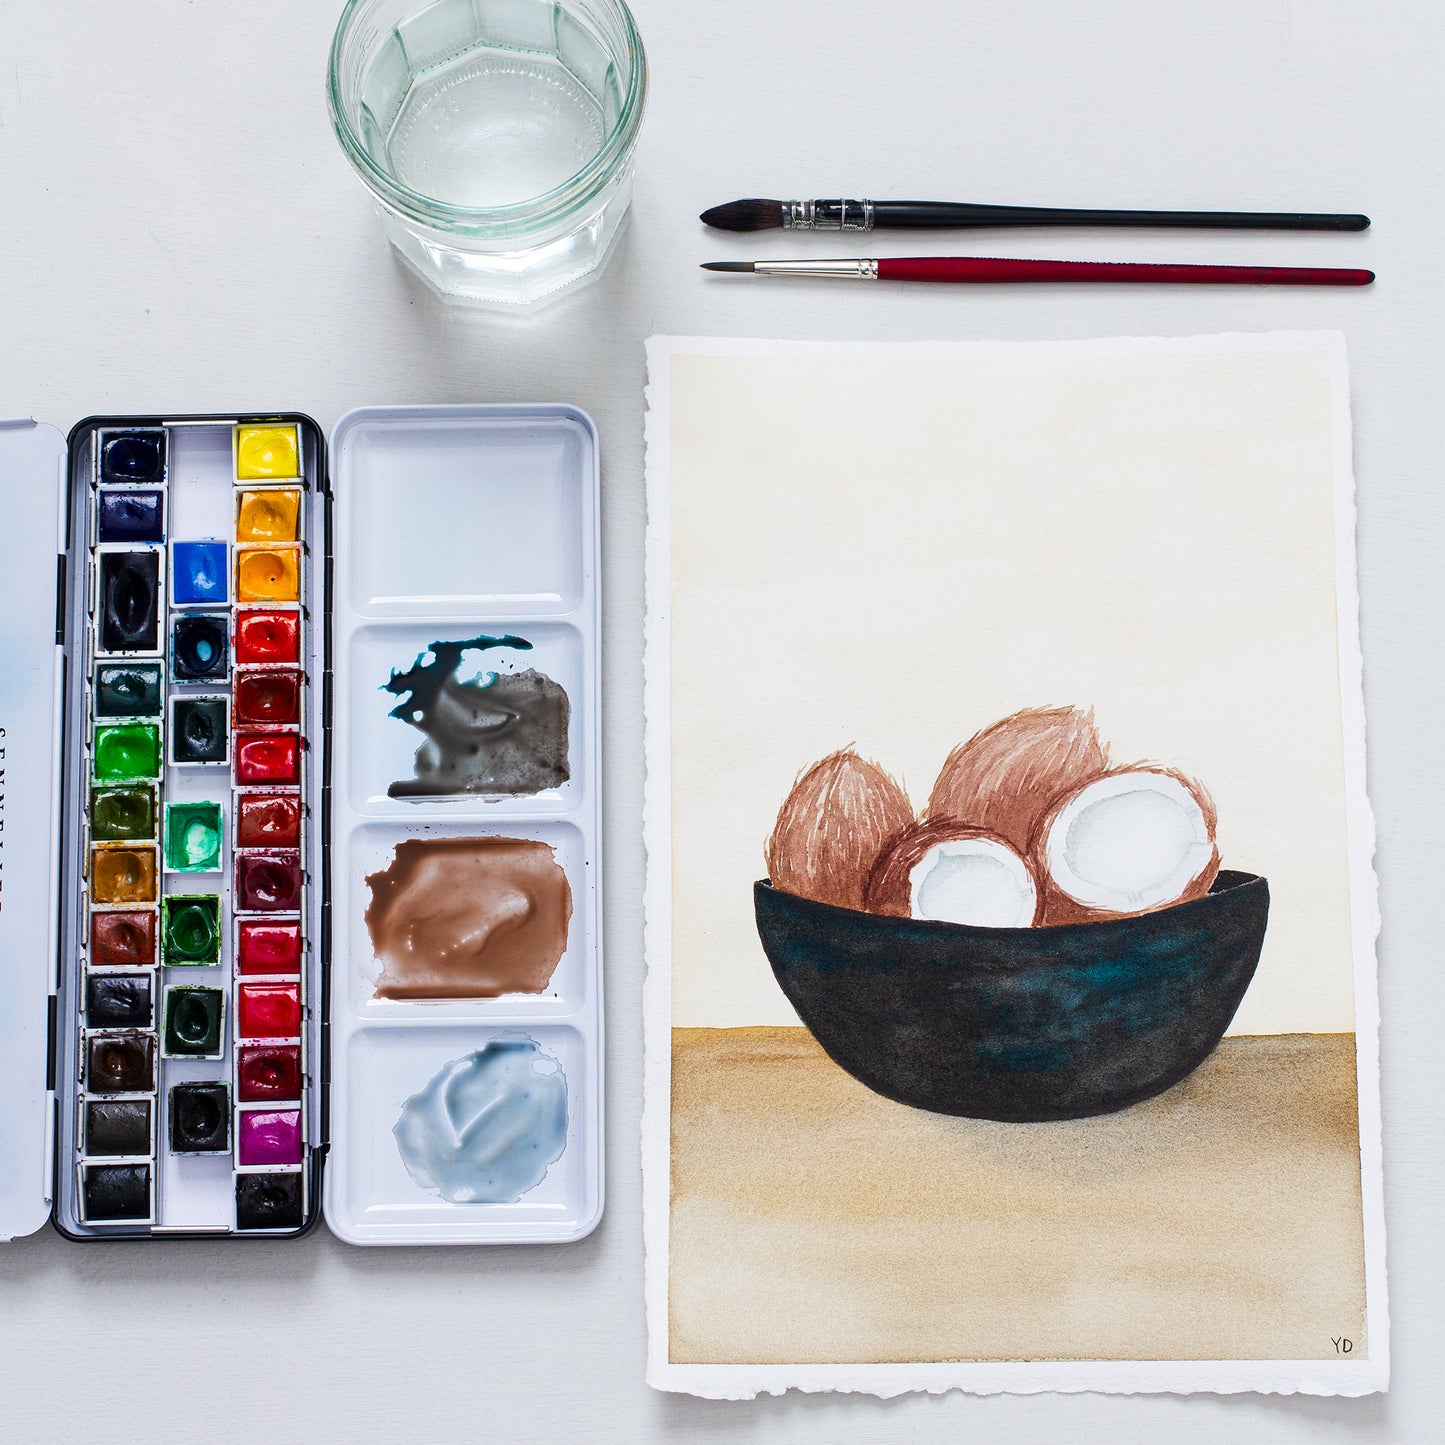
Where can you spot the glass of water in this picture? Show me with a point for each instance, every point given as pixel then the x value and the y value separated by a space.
pixel 496 135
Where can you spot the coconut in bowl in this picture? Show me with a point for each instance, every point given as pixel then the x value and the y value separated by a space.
pixel 1052 939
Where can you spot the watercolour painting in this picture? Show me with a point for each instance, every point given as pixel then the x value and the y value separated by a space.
pixel 1011 1013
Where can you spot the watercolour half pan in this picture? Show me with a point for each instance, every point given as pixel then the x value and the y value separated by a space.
pixel 1011 1014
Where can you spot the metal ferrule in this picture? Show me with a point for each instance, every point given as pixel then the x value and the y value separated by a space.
pixel 860 269
pixel 828 216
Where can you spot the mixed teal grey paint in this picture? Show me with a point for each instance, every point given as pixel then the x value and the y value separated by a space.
pixel 498 733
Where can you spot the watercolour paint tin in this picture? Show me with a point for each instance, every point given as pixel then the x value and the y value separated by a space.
pixel 300 827
pixel 116 688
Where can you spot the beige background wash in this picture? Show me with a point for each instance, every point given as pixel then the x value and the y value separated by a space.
pixel 895 554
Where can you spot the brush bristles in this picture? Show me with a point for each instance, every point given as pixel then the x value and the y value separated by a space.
pixel 750 215
pixel 727 265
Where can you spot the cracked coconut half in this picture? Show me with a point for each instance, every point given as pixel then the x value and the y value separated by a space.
pixel 951 873
pixel 1132 841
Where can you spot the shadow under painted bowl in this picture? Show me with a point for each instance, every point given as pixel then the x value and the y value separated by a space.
pixel 1018 1024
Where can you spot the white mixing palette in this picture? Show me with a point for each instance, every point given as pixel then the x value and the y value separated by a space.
pixel 454 524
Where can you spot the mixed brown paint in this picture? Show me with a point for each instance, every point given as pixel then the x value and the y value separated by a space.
pixel 456 918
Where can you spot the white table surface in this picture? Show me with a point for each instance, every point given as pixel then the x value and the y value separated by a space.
pixel 178 232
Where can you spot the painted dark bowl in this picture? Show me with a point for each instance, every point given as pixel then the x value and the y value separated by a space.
pixel 1018 1024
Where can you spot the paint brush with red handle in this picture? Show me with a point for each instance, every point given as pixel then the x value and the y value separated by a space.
pixel 992 268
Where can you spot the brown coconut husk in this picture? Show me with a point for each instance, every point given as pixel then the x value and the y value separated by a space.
pixel 832 827
pixel 1005 778
pixel 1058 907
pixel 890 888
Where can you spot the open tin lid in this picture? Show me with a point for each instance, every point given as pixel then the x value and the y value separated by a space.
pixel 32 516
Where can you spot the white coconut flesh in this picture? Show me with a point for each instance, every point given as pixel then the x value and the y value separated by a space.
pixel 977 881
pixel 1129 842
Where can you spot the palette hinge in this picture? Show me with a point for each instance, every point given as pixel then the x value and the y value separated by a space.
pixel 60 599
pixel 325 1030
pixel 52 1036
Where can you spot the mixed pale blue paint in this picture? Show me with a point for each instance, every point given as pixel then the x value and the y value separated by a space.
pixel 487 1128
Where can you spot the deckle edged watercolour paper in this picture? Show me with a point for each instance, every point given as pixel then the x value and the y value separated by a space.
pixel 1011 1012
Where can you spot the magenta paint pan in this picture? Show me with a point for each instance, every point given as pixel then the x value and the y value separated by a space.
pixel 269 1137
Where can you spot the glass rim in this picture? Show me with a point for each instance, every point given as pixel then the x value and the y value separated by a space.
pixel 567 195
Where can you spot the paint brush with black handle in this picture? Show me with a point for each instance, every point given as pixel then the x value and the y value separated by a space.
pixel 848 215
